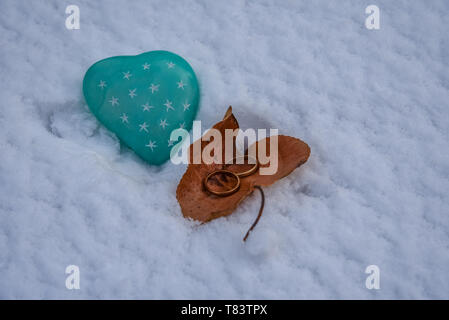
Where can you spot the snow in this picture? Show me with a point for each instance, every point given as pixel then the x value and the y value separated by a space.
pixel 372 105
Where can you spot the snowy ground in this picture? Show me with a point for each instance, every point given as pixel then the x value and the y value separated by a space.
pixel 373 106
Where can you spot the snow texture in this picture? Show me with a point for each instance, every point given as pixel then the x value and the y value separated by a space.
pixel 372 105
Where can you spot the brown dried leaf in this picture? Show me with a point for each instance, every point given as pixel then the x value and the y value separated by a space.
pixel 228 122
pixel 198 204
pixel 292 153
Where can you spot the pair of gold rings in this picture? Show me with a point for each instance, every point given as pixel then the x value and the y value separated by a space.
pixel 235 175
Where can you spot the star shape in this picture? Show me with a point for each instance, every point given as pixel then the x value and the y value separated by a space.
pixel 170 65
pixel 114 101
pixel 163 123
pixel 154 87
pixel 181 85
pixel 143 126
pixel 186 106
pixel 102 84
pixel 182 125
pixel 132 93
pixel 151 145
pixel 169 106
pixel 147 107
pixel 124 118
pixel 170 143
pixel 126 75
pixel 146 66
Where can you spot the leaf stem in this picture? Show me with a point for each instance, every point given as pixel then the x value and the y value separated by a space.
pixel 259 215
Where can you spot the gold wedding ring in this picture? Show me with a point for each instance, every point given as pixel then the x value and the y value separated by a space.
pixel 226 193
pixel 237 176
pixel 248 172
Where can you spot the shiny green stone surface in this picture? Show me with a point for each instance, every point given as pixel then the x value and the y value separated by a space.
pixel 142 99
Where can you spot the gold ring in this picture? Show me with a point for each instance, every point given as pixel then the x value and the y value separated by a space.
pixel 245 173
pixel 222 193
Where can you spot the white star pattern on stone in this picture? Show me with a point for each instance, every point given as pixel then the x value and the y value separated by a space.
pixel 151 145
pixel 182 125
pixel 143 126
pixel 169 106
pixel 170 143
pixel 124 118
pixel 170 65
pixel 132 93
pixel 126 75
pixel 114 101
pixel 146 66
pixel 163 123
pixel 102 84
pixel 154 87
pixel 147 107
pixel 186 106
pixel 181 85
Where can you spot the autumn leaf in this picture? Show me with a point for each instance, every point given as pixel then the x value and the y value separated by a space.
pixel 199 204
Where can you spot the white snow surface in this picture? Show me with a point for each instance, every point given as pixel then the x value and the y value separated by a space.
pixel 372 105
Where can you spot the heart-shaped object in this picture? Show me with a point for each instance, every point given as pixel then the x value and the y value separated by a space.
pixel 142 99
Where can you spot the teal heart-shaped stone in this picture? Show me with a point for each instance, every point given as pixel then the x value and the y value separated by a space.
pixel 142 99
